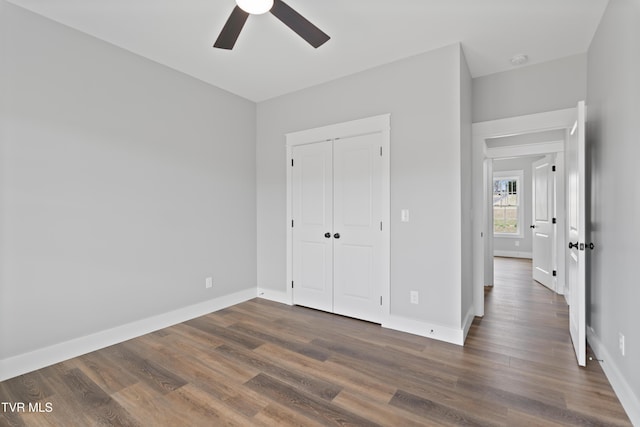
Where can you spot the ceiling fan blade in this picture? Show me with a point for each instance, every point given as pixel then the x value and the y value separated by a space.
pixel 298 23
pixel 231 30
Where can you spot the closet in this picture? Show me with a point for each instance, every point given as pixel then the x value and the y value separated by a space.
pixel 339 202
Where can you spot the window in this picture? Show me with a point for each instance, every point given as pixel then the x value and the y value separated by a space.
pixel 507 211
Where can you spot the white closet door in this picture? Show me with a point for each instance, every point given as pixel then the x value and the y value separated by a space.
pixel 357 238
pixel 312 212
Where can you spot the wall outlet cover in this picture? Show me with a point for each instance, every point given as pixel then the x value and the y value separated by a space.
pixel 414 297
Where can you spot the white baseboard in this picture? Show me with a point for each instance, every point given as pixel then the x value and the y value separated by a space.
pixel 630 402
pixel 37 359
pixel 398 323
pixel 513 254
pixel 468 320
pixel 271 295
pixel 429 330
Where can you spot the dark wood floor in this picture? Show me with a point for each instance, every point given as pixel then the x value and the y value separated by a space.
pixel 263 363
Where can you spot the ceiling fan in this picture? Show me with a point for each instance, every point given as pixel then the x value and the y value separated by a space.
pixel 298 23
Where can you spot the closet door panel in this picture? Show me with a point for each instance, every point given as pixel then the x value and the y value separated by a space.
pixel 357 258
pixel 312 185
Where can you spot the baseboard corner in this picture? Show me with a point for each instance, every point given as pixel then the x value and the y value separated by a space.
pixel 275 296
pixel 629 400
pixel 425 329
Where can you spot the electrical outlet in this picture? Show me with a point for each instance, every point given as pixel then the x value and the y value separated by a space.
pixel 208 282
pixel 621 342
pixel 414 297
pixel 404 215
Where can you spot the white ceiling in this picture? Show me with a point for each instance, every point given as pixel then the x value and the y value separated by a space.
pixel 269 59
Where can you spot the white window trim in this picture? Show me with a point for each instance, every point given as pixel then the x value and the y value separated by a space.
pixel 519 174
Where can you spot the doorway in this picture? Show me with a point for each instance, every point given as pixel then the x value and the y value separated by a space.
pixel 572 123
pixel 505 132
pixel 528 208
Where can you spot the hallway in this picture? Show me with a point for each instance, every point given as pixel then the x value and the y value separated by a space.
pixel 525 329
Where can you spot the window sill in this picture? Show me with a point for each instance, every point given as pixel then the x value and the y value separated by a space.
pixel 509 236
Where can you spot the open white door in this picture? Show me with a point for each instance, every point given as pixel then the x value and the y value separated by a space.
pixel 575 158
pixel 543 227
pixel 312 186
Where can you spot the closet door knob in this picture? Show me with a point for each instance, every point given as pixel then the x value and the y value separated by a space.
pixel 573 245
pixel 337 235
pixel 327 235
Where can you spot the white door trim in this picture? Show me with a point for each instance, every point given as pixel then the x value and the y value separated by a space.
pixel 376 124
pixel 539 148
pixel 482 230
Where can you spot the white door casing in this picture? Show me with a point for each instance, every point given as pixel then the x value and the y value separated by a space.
pixel 363 166
pixel 543 231
pixel 576 228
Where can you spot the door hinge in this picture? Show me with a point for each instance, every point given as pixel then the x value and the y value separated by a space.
pixel 380 299
pixel 291 162
pixel 380 151
pixel 553 168
pixel 292 284
pixel 555 273
pixel 291 223
pixel 554 221
pixel 380 225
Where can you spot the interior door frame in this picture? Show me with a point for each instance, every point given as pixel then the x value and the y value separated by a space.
pixel 376 124
pixel 482 161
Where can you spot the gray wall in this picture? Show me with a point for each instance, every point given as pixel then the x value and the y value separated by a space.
pixel 614 149
pixel 422 94
pixel 509 243
pixel 549 86
pixel 123 185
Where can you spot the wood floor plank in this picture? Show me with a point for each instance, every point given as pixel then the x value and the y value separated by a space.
pixel 208 325
pixel 306 382
pixel 261 363
pixel 310 406
pixel 102 371
pixel 279 415
pixel 201 410
pixel 25 388
pixel 152 373
pixel 376 391
pixel 385 415
pixel 99 406
pixel 147 405
pixel 299 347
pixel 436 412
